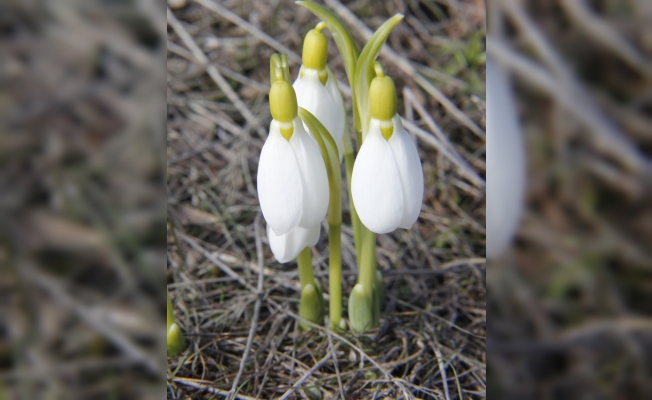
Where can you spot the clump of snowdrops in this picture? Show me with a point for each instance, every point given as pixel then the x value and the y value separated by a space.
pixel 299 172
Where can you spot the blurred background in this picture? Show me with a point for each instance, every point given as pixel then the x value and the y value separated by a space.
pixel 82 199
pixel 431 339
pixel 570 297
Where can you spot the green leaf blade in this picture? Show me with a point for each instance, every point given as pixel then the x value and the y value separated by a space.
pixel 343 38
pixel 364 69
pixel 331 158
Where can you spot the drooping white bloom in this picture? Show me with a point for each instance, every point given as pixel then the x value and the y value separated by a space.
pixel 505 163
pixel 287 247
pixel 323 100
pixel 387 180
pixel 292 180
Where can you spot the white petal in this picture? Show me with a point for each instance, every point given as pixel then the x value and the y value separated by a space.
pixel 287 247
pixel 506 163
pixel 324 102
pixel 279 183
pixel 376 185
pixel 409 168
pixel 314 179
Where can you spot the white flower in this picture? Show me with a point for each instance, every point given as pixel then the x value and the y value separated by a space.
pixel 323 100
pixel 387 180
pixel 292 180
pixel 287 247
pixel 505 163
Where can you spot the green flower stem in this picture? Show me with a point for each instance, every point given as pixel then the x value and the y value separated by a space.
pixel 367 269
pixel 328 150
pixel 304 260
pixel 349 160
pixel 335 276
pixel 335 245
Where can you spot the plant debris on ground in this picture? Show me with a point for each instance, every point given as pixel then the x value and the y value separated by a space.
pixel 431 339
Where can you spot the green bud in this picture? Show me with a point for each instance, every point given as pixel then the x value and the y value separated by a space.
pixel 311 307
pixel 312 392
pixel 382 101
pixel 283 104
pixel 315 48
pixel 283 101
pixel 382 94
pixel 175 341
pixel 360 313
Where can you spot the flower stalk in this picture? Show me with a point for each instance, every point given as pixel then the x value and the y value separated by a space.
pixel 311 303
pixel 383 169
pixel 331 159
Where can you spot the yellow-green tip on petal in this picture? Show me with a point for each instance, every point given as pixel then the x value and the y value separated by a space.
pixel 283 101
pixel 382 96
pixel 360 314
pixel 315 48
pixel 175 342
pixel 310 306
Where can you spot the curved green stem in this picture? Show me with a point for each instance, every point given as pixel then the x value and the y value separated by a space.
pixel 304 260
pixel 367 268
pixel 328 150
pixel 335 276
pixel 349 159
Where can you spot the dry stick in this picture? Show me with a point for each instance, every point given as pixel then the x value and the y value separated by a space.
pixel 180 51
pixel 463 168
pixel 225 268
pixel 337 365
pixel 254 319
pixel 214 118
pixel 393 57
pixel 606 138
pixel 442 370
pixel 197 385
pixel 440 318
pixel 262 36
pixel 62 369
pixel 592 116
pixel 307 375
pixel 460 162
pixel 235 276
pixel 66 14
pixel 214 73
pixel 536 38
pixel 409 94
pixel 93 319
pixel 397 382
pixel 604 34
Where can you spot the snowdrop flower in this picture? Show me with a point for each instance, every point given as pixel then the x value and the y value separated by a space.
pixel 292 180
pixel 387 180
pixel 287 247
pixel 317 89
pixel 505 163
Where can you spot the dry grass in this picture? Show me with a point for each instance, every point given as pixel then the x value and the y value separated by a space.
pixel 82 200
pixel 570 303
pixel 431 340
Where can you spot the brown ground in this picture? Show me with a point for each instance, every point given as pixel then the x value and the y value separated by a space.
pixel 570 303
pixel 82 200
pixel 431 340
